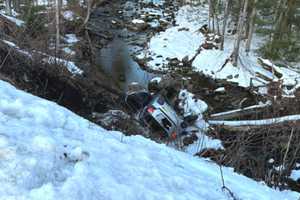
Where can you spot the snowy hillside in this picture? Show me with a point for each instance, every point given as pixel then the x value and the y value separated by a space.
pixel 47 152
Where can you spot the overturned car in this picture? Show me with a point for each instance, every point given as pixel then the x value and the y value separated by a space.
pixel 155 112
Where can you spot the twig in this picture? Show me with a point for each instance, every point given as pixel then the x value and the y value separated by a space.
pixel 224 188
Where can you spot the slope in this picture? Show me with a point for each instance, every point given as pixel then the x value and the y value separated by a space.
pixel 47 152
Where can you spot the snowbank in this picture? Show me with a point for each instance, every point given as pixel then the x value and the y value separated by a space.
pixel 70 65
pixel 47 152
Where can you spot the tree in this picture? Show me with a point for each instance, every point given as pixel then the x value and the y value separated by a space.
pixel 240 28
pixel 89 8
pixel 8 8
pixel 209 14
pixel 252 27
pixel 226 12
pixel 57 14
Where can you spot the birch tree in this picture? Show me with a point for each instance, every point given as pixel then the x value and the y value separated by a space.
pixel 89 8
pixel 57 13
pixel 209 14
pixel 8 8
pixel 252 27
pixel 240 28
pixel 226 12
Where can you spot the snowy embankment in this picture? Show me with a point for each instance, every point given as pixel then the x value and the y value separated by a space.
pixel 47 152
pixel 70 65
pixel 185 39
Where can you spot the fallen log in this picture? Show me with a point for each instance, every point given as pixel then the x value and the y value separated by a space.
pixel 256 123
pixel 10 25
pixel 240 112
pixel 267 65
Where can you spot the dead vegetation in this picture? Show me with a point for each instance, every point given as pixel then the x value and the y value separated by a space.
pixel 82 94
pixel 268 153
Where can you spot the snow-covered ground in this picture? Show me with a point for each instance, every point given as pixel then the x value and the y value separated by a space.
pixel 47 152
pixel 176 42
pixel 185 39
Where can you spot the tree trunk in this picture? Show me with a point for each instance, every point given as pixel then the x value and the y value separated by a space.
pixel 57 13
pixel 252 27
pixel 225 23
pixel 8 7
pixel 209 14
pixel 235 54
pixel 89 8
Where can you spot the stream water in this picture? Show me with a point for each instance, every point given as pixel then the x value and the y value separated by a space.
pixel 116 62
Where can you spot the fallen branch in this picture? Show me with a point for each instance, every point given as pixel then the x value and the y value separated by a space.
pixel 240 112
pixel 263 122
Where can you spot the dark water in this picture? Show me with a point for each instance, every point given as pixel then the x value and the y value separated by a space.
pixel 116 62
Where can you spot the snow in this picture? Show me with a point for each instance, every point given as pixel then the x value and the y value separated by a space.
pixel 220 89
pixel 69 51
pixel 295 175
pixel 173 43
pixel 203 142
pixel 13 45
pixel 16 21
pixel 191 105
pixel 49 3
pixel 47 152
pixel 68 15
pixel 185 40
pixel 71 38
pixel 155 2
pixel 71 66
pixel 176 44
pixel 138 21
pixel 156 79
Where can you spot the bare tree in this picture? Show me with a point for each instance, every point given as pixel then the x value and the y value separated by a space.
pixel 89 8
pixel 57 13
pixel 225 23
pixel 240 28
pixel 8 8
pixel 209 14
pixel 252 27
